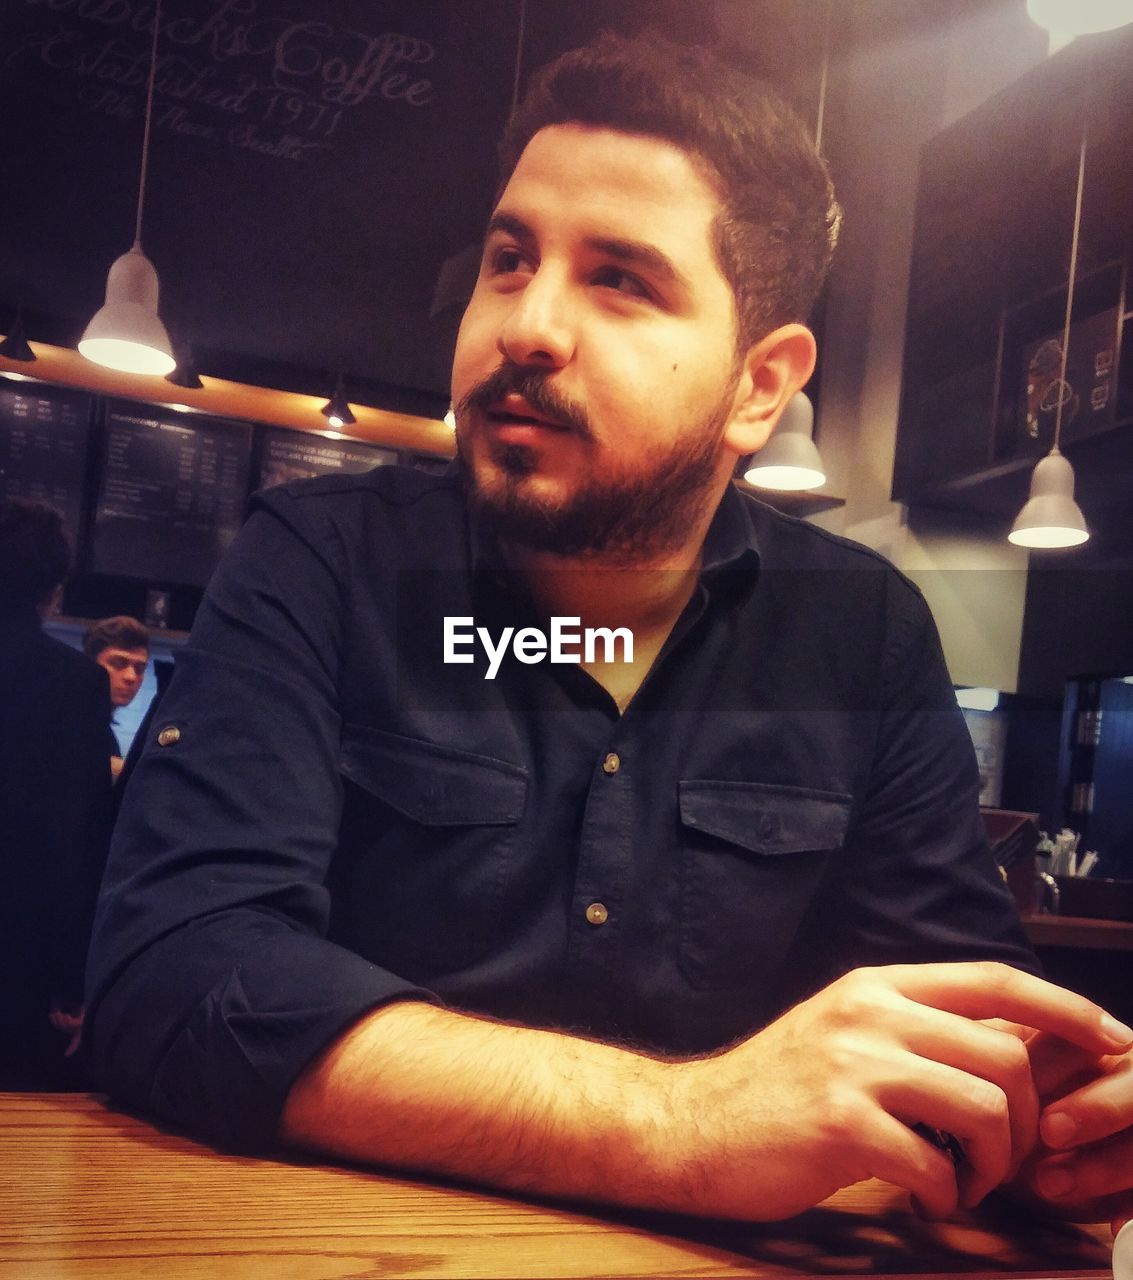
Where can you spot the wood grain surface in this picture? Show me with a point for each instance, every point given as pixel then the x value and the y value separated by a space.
pixel 89 1192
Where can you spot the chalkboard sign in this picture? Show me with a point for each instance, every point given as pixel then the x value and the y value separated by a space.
pixel 306 158
pixel 43 444
pixel 170 495
pixel 297 455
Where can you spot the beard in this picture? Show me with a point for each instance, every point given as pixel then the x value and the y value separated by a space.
pixel 624 519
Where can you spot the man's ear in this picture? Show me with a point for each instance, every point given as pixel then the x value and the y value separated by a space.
pixel 773 369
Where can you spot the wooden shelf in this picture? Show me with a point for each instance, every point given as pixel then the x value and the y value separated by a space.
pixel 1103 464
pixel 63 367
pixel 1079 932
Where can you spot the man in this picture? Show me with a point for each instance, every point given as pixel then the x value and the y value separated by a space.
pixel 427 899
pixel 120 645
pixel 54 794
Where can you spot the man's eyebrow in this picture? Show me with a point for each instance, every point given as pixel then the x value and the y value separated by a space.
pixel 509 225
pixel 634 253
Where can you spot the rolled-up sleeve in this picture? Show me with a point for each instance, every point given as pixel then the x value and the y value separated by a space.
pixel 211 981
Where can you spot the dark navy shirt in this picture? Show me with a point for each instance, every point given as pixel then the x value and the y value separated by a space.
pixel 328 816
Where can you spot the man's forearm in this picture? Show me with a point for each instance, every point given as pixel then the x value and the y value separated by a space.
pixel 827 1095
pixel 417 1087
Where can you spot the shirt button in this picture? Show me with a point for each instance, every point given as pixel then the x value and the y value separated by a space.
pixel 612 763
pixel 596 913
pixel 168 736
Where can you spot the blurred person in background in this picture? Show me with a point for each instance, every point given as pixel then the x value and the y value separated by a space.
pixel 54 807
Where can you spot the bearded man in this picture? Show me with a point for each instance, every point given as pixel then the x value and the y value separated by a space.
pixel 715 929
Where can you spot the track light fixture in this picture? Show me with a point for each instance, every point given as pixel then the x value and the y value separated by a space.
pixel 337 409
pixel 184 373
pixel 15 344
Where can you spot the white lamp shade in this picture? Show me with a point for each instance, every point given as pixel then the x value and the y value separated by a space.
pixel 126 333
pixel 1080 17
pixel 789 461
pixel 1050 518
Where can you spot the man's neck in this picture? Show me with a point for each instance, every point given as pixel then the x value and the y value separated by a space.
pixel 643 596
pixel 647 597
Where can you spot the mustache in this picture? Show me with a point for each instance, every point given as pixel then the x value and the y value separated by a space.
pixel 535 386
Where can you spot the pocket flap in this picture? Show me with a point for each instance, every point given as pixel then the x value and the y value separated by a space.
pixel 765 818
pixel 441 786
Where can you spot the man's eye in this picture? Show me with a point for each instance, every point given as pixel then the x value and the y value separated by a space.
pixel 621 281
pixel 504 261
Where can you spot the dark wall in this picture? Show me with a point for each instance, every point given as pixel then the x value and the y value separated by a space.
pixel 1078 618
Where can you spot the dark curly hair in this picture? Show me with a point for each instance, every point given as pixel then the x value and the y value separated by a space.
pixel 779 219
pixel 119 632
pixel 35 556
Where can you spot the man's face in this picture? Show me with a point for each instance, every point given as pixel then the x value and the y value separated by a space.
pixel 595 369
pixel 127 669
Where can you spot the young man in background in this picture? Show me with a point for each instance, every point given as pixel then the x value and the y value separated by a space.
pixel 120 645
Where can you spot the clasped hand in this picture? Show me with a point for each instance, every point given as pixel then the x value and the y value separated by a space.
pixel 1012 1066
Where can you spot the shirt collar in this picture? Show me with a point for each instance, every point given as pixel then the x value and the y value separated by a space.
pixel 731 536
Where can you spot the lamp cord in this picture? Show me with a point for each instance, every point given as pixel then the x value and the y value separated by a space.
pixel 146 131
pixel 518 55
pixel 823 78
pixel 1070 285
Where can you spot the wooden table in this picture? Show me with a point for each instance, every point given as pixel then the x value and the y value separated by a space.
pixel 86 1191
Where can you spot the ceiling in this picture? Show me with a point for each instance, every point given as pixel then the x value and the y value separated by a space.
pixel 319 172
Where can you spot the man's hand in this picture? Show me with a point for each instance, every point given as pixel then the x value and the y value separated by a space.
pixel 1082 1167
pixel 827 1095
pixel 824 1097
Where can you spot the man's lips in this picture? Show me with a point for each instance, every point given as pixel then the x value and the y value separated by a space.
pixel 514 411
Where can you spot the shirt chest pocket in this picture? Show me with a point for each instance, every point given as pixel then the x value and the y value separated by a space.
pixel 753 856
pixel 427 837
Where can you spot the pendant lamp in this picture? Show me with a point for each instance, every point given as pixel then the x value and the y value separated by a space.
pixel 1080 17
pixel 789 461
pixel 337 409
pixel 127 333
pixel 1050 517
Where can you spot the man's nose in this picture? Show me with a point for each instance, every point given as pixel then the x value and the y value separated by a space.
pixel 540 328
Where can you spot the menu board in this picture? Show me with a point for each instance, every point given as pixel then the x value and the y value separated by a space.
pixel 43 443
pixel 298 455
pixel 170 496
